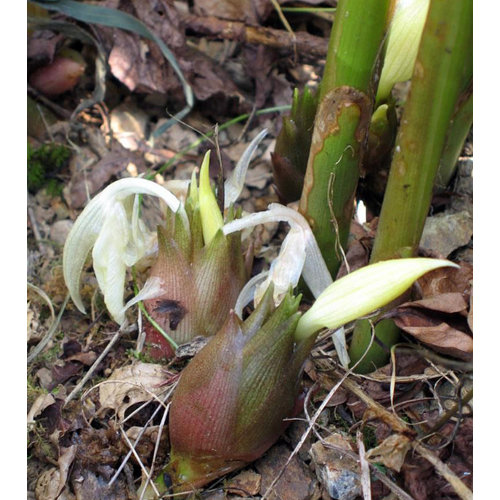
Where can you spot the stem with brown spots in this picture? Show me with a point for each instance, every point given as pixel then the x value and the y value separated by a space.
pixel 442 71
pixel 342 122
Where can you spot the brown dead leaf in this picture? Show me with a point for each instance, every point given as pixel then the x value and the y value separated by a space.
pixel 41 402
pixel 447 279
pixel 139 63
pixel 391 452
pixel 52 482
pixel 450 303
pixel 434 332
pixel 247 11
pixel 90 173
pixel 130 385
pixel 246 483
pixel 210 80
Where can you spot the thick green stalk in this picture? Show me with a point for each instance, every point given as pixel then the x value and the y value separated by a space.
pixel 342 122
pixel 443 63
pixel 459 128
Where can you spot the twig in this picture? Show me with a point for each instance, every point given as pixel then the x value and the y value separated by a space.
pixel 132 448
pixel 157 445
pixel 460 489
pixel 302 42
pixel 364 466
pixel 400 426
pixel 104 353
pixel 36 232
pixel 456 408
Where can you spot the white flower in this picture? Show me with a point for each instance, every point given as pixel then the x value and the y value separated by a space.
pixel 111 225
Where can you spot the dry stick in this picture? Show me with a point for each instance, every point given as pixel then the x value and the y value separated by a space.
pixel 104 353
pixel 304 43
pixel 399 426
pixel 153 485
pixel 460 489
pixel 36 233
pixel 364 466
pixel 143 430
pixel 451 412
pixel 155 452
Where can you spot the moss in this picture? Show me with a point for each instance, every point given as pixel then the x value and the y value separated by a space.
pixel 369 437
pixel 44 164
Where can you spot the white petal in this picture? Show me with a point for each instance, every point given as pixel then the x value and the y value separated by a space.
pixel 152 289
pixel 248 291
pixel 235 182
pixel 88 225
pixel 109 264
pixel 286 268
pixel 314 271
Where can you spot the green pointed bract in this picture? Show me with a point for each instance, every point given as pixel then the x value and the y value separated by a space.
pixel 289 160
pixel 233 398
pixel 211 217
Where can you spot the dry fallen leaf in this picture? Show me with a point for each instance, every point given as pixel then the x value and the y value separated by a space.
pixel 41 402
pixel 391 452
pixel 447 279
pixel 130 385
pixel 51 483
pixel 450 303
pixel 436 333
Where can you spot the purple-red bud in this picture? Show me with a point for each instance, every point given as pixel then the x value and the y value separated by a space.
pixel 233 398
pixel 200 285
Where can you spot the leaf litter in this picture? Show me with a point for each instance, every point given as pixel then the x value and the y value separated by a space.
pixel 104 440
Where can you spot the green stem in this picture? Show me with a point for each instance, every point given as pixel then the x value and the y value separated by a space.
pixel 443 64
pixel 342 122
pixel 459 128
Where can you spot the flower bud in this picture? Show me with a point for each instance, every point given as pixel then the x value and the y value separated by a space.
pixel 198 283
pixel 405 33
pixel 289 160
pixel 234 395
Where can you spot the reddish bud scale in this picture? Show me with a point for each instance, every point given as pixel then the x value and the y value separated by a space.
pixel 200 284
pixel 233 398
